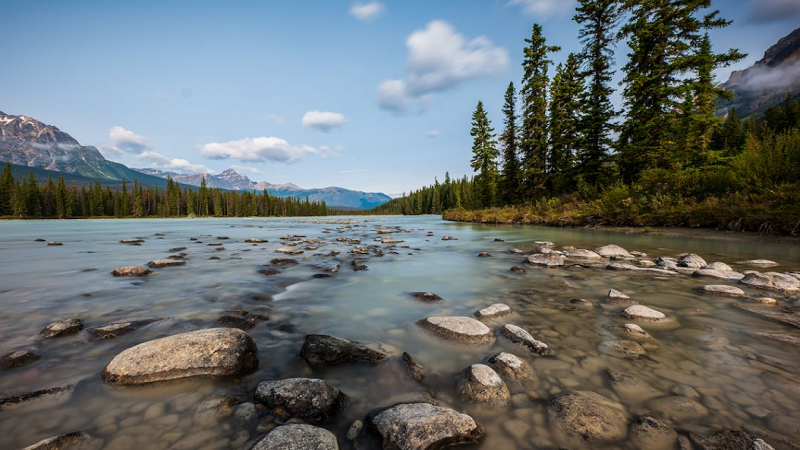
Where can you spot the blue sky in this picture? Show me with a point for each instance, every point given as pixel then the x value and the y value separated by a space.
pixel 374 96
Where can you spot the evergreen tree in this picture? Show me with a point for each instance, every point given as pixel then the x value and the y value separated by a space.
pixel 566 93
pixel 599 19
pixel 484 156
pixel 63 205
pixel 533 137
pixel 33 199
pixel 7 191
pixel 510 185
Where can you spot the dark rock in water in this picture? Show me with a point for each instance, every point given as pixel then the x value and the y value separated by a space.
pixel 118 329
pixel 331 267
pixel 235 322
pixel 308 398
pixel 212 352
pixel 77 440
pixel 521 337
pixel 465 330
pixel 517 269
pixel 415 370
pixel 222 238
pixel 426 297
pixel 621 349
pixel 647 433
pixel 321 275
pixel 479 383
pixel 588 417
pixel 169 262
pixel 422 426
pixel 176 249
pixel 284 262
pixel 358 265
pixel 21 398
pixel 499 240
pixel 581 303
pixel 546 259
pixel 39 240
pixel 484 254
pixel 320 349
pixel 131 241
pixel 269 271
pixel 255 241
pixel 298 437
pixel 728 440
pixel 18 359
pixel 63 327
pixel 54 244
pixel 449 238
pixel 131 271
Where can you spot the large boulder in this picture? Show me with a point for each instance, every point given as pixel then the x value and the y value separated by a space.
pixel 422 426
pixel 772 281
pixel 521 337
pixel 613 251
pixel 587 416
pixel 298 437
pixel 479 383
pixel 546 259
pixel 309 398
pixel 465 330
pixel 321 349
pixel 212 352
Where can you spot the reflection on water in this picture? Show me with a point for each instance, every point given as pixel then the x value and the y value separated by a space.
pixel 711 355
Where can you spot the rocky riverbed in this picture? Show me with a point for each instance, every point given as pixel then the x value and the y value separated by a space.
pixel 393 333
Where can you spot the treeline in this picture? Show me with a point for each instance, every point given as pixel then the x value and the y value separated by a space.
pixel 29 199
pixel 563 142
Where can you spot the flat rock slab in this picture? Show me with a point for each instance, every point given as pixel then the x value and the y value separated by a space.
pixel 630 388
pixel 493 312
pixel 255 241
pixel 782 315
pixel 158 263
pixel 18 358
pixel 678 408
pixel 460 329
pixel 212 352
pixel 631 330
pixel 120 328
pixel 289 250
pixel 757 263
pixel 728 440
pixel 644 314
pixel 722 290
pixel 62 392
pixel 613 251
pixel 479 383
pixel 298 437
pixel 716 273
pixel 521 337
pixel 131 241
pixel 786 338
pixel 511 367
pixel 131 271
pixel 587 416
pixel 546 259
pixel 422 426
pixel 64 327
pixel 309 398
pixel 322 350
pixel 622 349
pixel 773 281
pixel 583 254
pixel 72 441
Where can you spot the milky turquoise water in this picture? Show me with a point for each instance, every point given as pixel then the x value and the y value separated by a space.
pixel 712 349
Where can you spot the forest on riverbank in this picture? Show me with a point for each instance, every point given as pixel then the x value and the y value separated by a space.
pixel 566 157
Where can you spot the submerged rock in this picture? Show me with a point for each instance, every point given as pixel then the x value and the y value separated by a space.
pixel 647 433
pixel 289 250
pixel 298 437
pixel 678 408
pixel 426 297
pixel 728 440
pixel 622 349
pixel 422 426
pixel 773 281
pixel 631 330
pixel 212 352
pixel 61 393
pixel 131 271
pixel 321 349
pixel 722 289
pixel 284 262
pixel 18 358
pixel 521 337
pixel 255 241
pixel 484 255
pixel 77 440
pixel 616 297
pixel 757 263
pixel 613 251
pixel 517 269
pixel 131 241
pixel 120 328
pixel 158 263
pixel 64 327
pixel 459 329
pixel 788 315
pixel 546 259
pixel 512 368
pixel 479 383
pixel 493 312
pixel 630 388
pixel 588 417
pixel 308 398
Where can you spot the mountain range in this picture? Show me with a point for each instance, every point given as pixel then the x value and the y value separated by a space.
pixel 29 145
pixel 767 82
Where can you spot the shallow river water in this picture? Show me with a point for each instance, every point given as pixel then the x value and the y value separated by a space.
pixel 712 353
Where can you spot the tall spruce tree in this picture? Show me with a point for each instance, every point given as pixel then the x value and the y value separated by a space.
pixel 7 191
pixel 533 136
pixel 566 92
pixel 599 20
pixel 510 186
pixel 484 156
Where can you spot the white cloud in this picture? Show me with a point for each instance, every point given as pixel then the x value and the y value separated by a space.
pixel 248 169
pixel 323 120
pixel 545 8
pixel 259 149
pixel 159 161
pixel 366 11
pixel 127 140
pixel 433 134
pixel 439 58
pixel 275 118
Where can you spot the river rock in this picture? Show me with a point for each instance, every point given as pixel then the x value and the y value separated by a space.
pixel 722 290
pixel 120 328
pixel 321 349
pixel 773 281
pixel 426 297
pixel 255 241
pixel 716 273
pixel 581 303
pixel 647 433
pixel 719 266
pixel 546 259
pixel 630 388
pixel 631 330
pixel 298 437
pixel 158 263
pixel 484 255
pixel 58 394
pixel 784 315
pixel 131 271
pixel 678 408
pixel 544 243
pixel 18 358
pixel 622 349
pixel 77 440
pixel 64 327
pixel 422 426
pixel 131 241
pixel 289 250
pixel 616 297
pixel 460 329
pixel 757 263
pixel 517 269
pixel 728 440
pixel 512 368
pixel 582 253
pixel 644 314
pixel 613 251
pixel 521 337
pixel 765 300
pixel 308 398
pixel 479 383
pixel 494 311
pixel 666 263
pixel 587 416
pixel 211 352
pixel 691 261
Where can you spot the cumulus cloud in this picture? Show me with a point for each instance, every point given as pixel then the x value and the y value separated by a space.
pixel 323 120
pixel 259 149
pixel 545 8
pixel 765 11
pixel 440 58
pixel 366 11
pixel 248 169
pixel 159 161
pixel 127 140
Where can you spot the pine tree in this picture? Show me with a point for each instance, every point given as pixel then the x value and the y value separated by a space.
pixel 484 155
pixel 6 191
pixel 599 19
pixel 33 199
pixel 533 137
pixel 63 205
pixel 510 186
pixel 566 92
